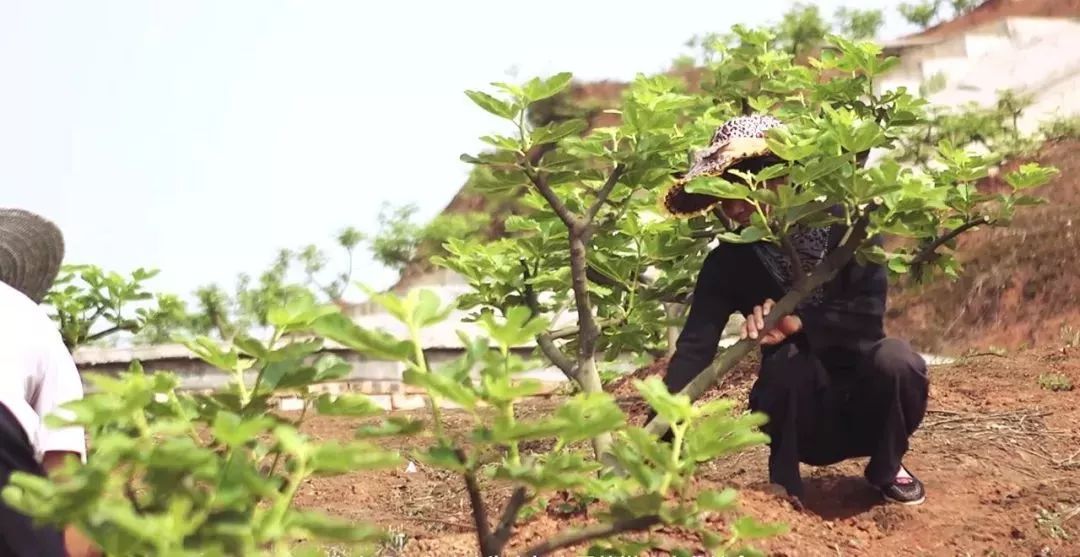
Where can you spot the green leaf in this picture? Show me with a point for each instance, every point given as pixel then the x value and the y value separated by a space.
pixel 819 168
pixel 343 330
pixel 718 500
pixel 441 386
pixel 718 187
pixel 898 265
pixel 304 524
pixel 391 427
pixel 338 458
pixel 441 457
pixel 518 328
pixel 493 105
pixel 235 431
pixel 747 529
pixel 330 367
pixel 538 89
pixel 673 408
pixel 298 313
pixel 1030 175
pixel 292 441
pixel 427 310
pixel 789 151
pixel 553 132
pixel 347 404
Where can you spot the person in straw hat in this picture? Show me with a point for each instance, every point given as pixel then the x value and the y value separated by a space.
pixel 37 376
pixel 833 385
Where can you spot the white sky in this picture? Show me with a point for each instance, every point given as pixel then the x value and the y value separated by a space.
pixel 198 137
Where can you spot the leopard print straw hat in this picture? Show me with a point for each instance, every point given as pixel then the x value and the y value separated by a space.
pixel 739 139
pixel 31 250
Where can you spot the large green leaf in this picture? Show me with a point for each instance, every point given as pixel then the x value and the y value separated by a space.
pixel 725 500
pixel 747 529
pixel 553 132
pixel 337 458
pixel 304 524
pixel 718 187
pixel 500 108
pixel 518 327
pixel 538 89
pixel 442 386
pixel 235 431
pixel 347 404
pixel 427 308
pixel 343 330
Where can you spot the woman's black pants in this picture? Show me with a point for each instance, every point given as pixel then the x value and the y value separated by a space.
pixel 864 404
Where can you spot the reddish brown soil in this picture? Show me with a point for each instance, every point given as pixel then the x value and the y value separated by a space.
pixel 994 10
pixel 994 451
pixel 1019 286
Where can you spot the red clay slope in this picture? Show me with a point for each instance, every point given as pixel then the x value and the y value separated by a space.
pixel 1019 286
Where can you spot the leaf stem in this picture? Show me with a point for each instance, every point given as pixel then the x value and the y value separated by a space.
pixel 421 364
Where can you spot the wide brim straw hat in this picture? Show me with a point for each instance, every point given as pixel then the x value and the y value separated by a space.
pixel 739 139
pixel 31 252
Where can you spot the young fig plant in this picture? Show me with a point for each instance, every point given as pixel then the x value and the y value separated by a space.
pixel 488 382
pixel 172 472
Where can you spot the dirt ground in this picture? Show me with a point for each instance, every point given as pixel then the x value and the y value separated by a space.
pixel 1000 456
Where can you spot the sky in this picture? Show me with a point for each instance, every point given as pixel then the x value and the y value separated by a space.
pixel 199 137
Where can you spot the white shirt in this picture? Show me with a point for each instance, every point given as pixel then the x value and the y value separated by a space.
pixel 37 374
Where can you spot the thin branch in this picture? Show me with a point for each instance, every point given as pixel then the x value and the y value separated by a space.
pixel 822 273
pixel 479 511
pixel 106 332
pixel 590 331
pixel 928 252
pixel 797 273
pixel 540 181
pixel 506 522
pixel 681 299
pixel 605 191
pixel 544 340
pixel 567 332
pixel 592 533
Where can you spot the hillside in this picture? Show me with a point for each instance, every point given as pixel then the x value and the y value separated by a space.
pixel 1019 286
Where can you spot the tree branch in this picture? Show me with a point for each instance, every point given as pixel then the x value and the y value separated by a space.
pixel 928 252
pixel 101 334
pixel 540 181
pixel 823 273
pixel 797 274
pixel 605 191
pixel 567 332
pixel 546 341
pixel 479 511
pixel 590 332
pixel 592 533
pixel 506 522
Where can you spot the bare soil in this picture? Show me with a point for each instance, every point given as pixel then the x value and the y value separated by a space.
pixel 999 454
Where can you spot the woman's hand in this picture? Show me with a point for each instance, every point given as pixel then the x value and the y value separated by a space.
pixel 755 325
pixel 78 545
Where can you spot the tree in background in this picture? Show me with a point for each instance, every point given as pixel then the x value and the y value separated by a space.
pixel 925 13
pixel 801 28
pixel 400 240
pixel 93 306
pixel 858 24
